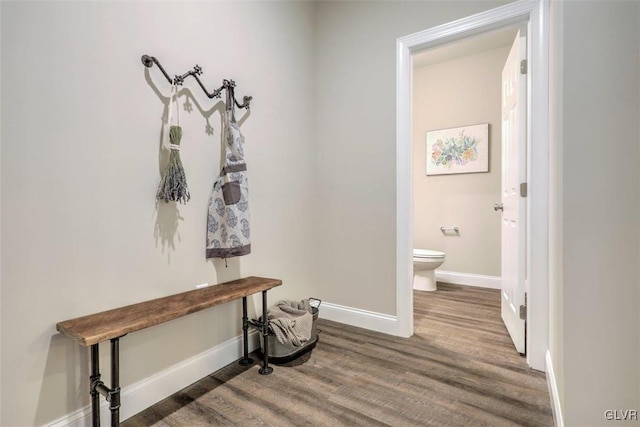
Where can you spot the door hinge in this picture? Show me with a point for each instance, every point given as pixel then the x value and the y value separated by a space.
pixel 523 189
pixel 523 312
pixel 523 66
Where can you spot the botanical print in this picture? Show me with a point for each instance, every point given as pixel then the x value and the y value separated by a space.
pixel 458 150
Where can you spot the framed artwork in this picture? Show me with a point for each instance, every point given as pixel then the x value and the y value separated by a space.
pixel 458 150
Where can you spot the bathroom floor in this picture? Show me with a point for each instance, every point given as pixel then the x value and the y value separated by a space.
pixel 459 369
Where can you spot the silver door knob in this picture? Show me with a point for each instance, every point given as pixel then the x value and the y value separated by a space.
pixel 498 207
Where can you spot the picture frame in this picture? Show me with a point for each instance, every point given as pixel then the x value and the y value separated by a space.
pixel 458 150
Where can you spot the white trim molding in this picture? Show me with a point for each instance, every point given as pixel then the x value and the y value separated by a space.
pixel 153 389
pixel 553 392
pixel 468 279
pixel 371 320
pixel 536 13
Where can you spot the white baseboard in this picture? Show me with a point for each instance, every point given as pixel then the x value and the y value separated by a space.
pixel 153 389
pixel 553 392
pixel 479 280
pixel 378 322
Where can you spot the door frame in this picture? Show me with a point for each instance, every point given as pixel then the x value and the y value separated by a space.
pixel 536 13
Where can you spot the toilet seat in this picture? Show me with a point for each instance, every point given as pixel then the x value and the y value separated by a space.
pixel 427 253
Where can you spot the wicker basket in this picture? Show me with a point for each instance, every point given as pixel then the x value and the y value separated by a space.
pixel 281 353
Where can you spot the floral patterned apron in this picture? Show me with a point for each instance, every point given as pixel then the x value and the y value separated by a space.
pixel 228 218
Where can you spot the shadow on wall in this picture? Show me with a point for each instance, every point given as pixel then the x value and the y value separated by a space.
pixel 166 228
pixel 66 358
pixel 167 215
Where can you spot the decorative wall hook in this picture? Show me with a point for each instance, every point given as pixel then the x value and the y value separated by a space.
pixel 228 85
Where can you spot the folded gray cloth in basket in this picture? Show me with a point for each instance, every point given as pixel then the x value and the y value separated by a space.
pixel 291 322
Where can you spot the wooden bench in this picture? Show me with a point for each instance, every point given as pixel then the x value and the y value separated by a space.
pixel 113 324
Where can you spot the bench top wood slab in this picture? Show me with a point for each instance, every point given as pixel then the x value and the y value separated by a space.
pixel 95 328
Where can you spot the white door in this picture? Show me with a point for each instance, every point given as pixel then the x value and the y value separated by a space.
pixel 514 97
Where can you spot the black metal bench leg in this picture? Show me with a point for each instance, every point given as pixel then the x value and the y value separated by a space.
pixel 94 379
pixel 99 388
pixel 266 369
pixel 246 360
pixel 114 394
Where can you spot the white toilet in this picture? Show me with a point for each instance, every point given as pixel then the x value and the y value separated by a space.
pixel 425 262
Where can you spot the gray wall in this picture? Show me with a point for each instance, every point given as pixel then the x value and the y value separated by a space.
pixel 356 142
pixel 596 208
pixel 81 232
pixel 463 91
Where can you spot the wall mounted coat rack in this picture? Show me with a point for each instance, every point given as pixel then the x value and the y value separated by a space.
pixel 229 85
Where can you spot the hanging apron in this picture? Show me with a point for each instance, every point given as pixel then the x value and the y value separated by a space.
pixel 228 217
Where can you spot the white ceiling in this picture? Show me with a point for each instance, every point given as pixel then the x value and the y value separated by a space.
pixel 464 47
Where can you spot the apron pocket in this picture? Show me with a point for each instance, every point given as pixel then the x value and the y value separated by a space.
pixel 231 193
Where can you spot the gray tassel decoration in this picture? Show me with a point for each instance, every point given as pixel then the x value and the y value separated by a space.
pixel 173 185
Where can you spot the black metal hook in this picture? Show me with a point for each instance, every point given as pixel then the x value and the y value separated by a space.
pixel 148 62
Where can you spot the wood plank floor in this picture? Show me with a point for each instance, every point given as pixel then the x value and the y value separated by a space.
pixel 459 369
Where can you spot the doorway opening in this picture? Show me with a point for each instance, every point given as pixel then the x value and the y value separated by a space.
pixel 534 14
pixel 467 166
